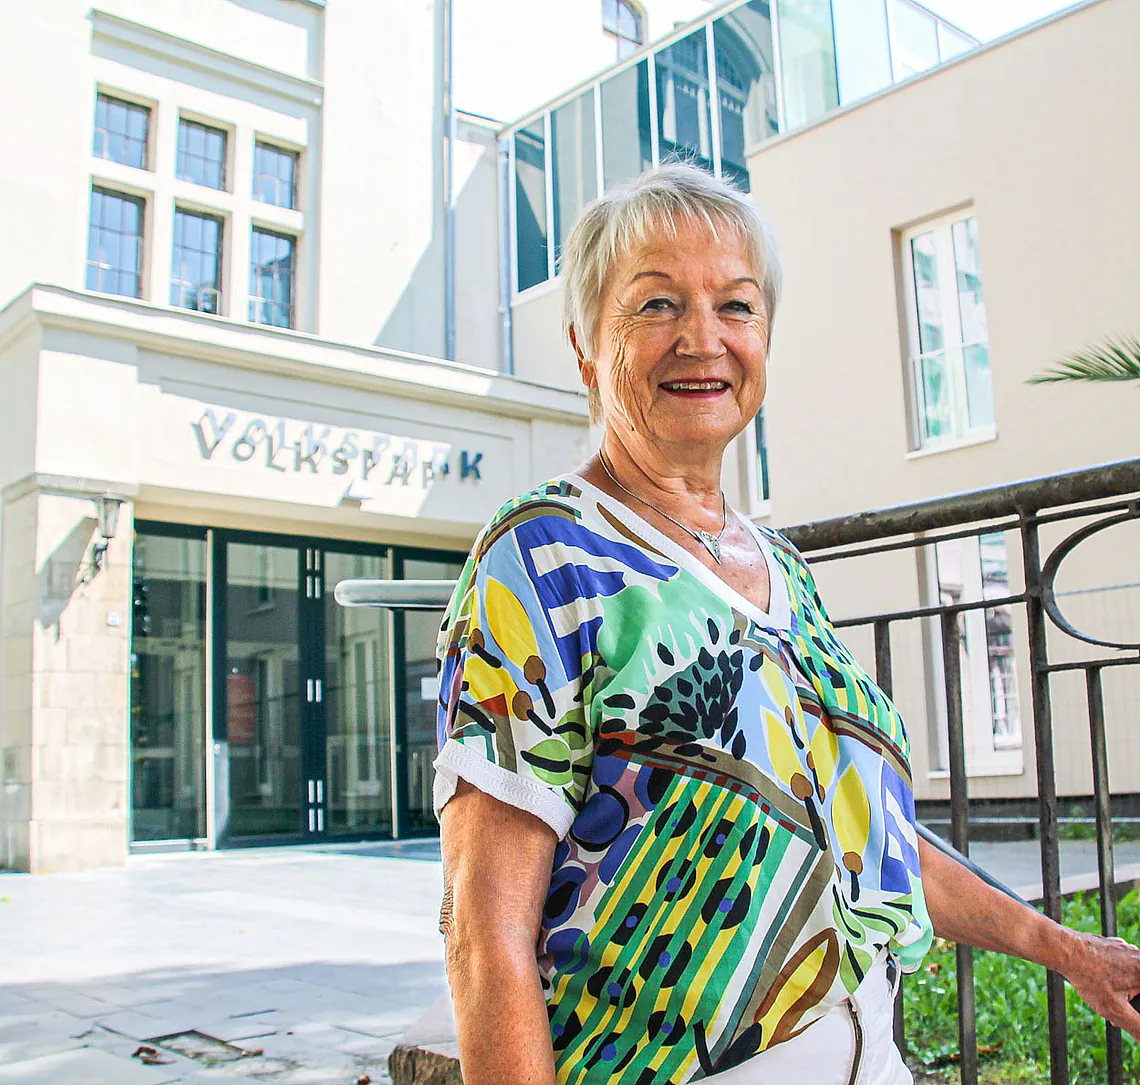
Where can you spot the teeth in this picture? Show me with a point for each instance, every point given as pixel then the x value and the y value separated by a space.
pixel 696 386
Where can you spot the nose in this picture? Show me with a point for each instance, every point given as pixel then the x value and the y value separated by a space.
pixel 700 334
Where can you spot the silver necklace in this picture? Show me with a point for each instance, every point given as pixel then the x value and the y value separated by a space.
pixel 710 542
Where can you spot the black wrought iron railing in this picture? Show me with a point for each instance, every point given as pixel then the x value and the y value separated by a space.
pixel 1027 630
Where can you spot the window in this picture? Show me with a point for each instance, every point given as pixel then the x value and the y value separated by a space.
pixel 195 278
pixel 121 130
pixel 622 25
pixel 575 163
pixel 862 48
pixel 684 124
pixel 274 175
pixel 201 154
pixel 746 85
pixel 952 385
pixel 760 438
pixel 114 243
pixel 271 279
pixel 627 135
pixel 974 569
pixel 807 51
pixel 530 204
pixel 916 39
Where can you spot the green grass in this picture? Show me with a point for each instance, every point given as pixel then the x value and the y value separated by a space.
pixel 1012 1014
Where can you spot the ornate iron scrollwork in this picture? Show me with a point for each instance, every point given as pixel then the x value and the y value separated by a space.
pixel 1051 567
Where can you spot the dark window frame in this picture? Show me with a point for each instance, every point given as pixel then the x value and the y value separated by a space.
pixel 179 287
pixel 258 302
pixel 102 269
pixel 187 125
pixel 259 176
pixel 109 102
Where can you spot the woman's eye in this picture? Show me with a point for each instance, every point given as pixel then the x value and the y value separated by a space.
pixel 740 306
pixel 657 305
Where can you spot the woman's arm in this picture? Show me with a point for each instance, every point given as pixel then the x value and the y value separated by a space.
pixel 496 865
pixel 1104 971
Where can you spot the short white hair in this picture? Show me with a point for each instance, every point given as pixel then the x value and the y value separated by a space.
pixel 630 215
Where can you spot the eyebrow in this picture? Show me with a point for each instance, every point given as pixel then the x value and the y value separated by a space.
pixel 665 275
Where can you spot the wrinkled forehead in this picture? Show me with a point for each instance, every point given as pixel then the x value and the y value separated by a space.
pixel 641 240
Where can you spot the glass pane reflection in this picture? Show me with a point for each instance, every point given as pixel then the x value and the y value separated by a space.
pixel 168 687
pixel 263 690
pixel 862 47
pixel 916 38
pixel 683 117
pixel 627 141
pixel 358 697
pixel 575 163
pixel 807 47
pixel 746 85
pixel 530 204
pixel 421 693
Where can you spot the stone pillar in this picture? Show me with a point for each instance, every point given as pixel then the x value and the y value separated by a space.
pixel 65 726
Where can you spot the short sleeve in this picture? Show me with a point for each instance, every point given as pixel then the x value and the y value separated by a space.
pixel 512 715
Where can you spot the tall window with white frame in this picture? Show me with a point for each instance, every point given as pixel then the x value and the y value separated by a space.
pixel 115 243
pixel 122 131
pixel 950 378
pixel 201 154
pixel 271 278
pixel 274 175
pixel 623 25
pixel 195 277
pixel 976 569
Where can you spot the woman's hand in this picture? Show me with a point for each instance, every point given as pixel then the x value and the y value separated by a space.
pixel 1105 972
pixel 496 867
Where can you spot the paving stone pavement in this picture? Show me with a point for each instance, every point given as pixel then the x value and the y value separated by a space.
pixel 296 966
pixel 292 966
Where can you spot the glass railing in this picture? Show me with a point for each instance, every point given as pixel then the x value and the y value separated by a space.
pixel 708 93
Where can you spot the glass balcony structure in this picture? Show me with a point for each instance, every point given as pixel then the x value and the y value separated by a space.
pixel 776 66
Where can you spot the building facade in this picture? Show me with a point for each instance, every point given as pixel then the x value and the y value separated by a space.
pixel 279 307
pixel 944 240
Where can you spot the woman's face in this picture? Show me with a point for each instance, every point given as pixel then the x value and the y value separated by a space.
pixel 682 341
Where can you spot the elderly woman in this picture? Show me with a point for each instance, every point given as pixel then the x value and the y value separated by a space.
pixel 677 818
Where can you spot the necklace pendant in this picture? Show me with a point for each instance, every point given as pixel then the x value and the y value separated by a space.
pixel 710 542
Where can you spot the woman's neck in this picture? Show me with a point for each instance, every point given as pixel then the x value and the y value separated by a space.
pixel 680 480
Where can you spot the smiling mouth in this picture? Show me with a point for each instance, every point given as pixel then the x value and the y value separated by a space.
pixel 695 388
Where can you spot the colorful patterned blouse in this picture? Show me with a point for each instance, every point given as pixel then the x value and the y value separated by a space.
pixel 730 790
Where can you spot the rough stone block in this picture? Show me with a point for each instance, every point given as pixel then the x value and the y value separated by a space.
pixel 437 1065
pixel 90 726
pixel 112 688
pixel 49 726
pixel 102 654
pixel 77 845
pixel 59 689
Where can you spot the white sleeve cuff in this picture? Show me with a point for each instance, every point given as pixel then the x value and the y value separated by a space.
pixel 457 761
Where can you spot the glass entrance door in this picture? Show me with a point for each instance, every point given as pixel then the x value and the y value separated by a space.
pixel 168 686
pixel 357 702
pixel 262 772
pixel 421 692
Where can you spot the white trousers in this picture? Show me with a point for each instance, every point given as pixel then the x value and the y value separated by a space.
pixel 828 1052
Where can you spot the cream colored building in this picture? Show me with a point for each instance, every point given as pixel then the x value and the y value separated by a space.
pixel 944 239
pixel 262 227
pixel 241 242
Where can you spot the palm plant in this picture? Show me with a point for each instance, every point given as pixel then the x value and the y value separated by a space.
pixel 1112 360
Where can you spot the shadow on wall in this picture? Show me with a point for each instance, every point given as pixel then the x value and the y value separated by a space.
pixel 62 573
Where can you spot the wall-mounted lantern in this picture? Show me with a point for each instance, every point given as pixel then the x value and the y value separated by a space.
pixel 108 506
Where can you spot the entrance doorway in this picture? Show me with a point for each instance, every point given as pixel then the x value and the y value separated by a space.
pixel 323 717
